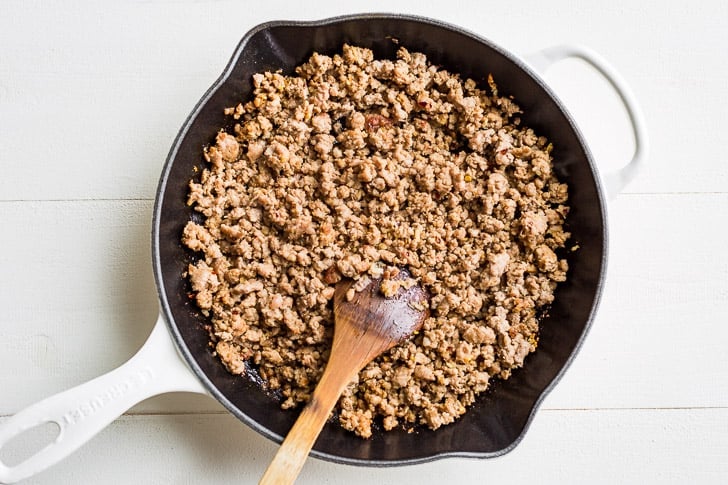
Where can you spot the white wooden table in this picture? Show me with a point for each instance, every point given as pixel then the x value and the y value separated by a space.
pixel 91 97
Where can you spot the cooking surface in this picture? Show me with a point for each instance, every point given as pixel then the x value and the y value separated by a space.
pixel 91 98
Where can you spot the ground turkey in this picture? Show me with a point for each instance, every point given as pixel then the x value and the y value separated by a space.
pixel 354 166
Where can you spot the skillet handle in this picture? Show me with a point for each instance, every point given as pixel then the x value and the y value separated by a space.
pixel 81 412
pixel 617 180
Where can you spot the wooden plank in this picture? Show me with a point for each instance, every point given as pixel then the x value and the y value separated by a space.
pixel 77 294
pixel 106 98
pixel 600 447
pixel 79 299
pixel 659 337
pixel 91 111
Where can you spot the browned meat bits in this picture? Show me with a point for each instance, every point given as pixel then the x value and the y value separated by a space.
pixel 354 166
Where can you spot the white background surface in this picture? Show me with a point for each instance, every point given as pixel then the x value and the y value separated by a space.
pixel 91 97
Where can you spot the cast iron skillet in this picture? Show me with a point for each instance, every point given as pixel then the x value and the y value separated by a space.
pixel 498 420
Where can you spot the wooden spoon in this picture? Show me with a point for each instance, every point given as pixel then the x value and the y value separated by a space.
pixel 366 326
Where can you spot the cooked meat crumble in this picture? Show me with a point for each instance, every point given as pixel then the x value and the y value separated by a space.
pixel 354 167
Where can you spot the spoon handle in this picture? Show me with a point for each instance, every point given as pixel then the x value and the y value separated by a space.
pixel 291 456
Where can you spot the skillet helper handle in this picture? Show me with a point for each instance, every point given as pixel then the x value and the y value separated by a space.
pixel 81 412
pixel 617 180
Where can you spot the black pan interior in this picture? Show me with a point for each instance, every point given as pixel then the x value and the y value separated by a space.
pixel 496 423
